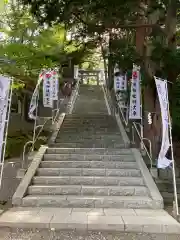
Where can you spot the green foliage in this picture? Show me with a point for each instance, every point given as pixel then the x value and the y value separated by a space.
pixel 175 108
pixel 31 47
pixel 16 141
pixel 167 59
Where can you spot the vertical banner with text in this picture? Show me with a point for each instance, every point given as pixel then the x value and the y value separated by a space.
pixel 5 84
pixel 33 103
pixel 55 85
pixel 162 91
pixel 47 90
pixel 135 95
pixel 120 86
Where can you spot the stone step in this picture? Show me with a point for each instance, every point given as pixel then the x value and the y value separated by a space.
pixel 88 172
pixel 90 124
pixel 90 140
pixel 86 180
pixel 84 190
pixel 88 164
pixel 89 127
pixel 169 198
pixel 167 185
pixel 88 145
pixel 135 202
pixel 92 151
pixel 88 137
pixel 88 117
pixel 92 132
pixel 80 157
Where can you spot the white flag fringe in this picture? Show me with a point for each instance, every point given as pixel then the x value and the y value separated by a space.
pixel 162 91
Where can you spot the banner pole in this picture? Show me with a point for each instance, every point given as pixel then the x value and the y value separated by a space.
pixel 6 131
pixel 35 121
pixel 172 155
pixel 142 130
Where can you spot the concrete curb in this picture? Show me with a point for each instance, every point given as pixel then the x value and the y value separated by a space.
pixel 123 132
pixel 106 101
pixel 55 132
pixel 150 184
pixel 22 188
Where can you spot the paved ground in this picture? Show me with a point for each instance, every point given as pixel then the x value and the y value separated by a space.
pixel 29 234
pixel 122 220
pixel 9 181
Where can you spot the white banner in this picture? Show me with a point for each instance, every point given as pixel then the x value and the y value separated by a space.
pixel 122 87
pixel 135 96
pixel 162 90
pixel 55 85
pixel 118 83
pixel 33 103
pixel 5 84
pixel 47 90
pixel 76 71
pixel 116 69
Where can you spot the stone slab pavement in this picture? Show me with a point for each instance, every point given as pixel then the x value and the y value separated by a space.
pixel 116 220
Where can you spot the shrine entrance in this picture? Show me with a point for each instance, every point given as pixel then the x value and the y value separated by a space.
pixel 91 77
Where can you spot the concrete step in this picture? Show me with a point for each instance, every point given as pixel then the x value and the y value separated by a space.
pixel 84 190
pixel 169 198
pixel 90 141
pixel 88 172
pixel 88 180
pixel 89 128
pixel 88 137
pixel 167 185
pixel 88 145
pixel 88 164
pixel 90 151
pixel 89 201
pixel 92 130
pixel 86 133
pixel 80 157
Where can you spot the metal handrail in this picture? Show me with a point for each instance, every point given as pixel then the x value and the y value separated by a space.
pixel 57 110
pixel 142 139
pixel 122 115
pixel 74 96
pixel 149 153
pixel 32 142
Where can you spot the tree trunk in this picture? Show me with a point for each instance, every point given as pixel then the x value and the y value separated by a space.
pixel 110 63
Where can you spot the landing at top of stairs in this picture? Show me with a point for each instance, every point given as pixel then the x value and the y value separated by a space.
pixel 87 219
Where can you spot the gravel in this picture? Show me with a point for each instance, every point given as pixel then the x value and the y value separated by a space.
pixel 19 234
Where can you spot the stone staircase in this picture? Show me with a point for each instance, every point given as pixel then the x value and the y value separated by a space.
pixel 88 166
pixel 96 179
pixel 89 178
pixel 89 131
